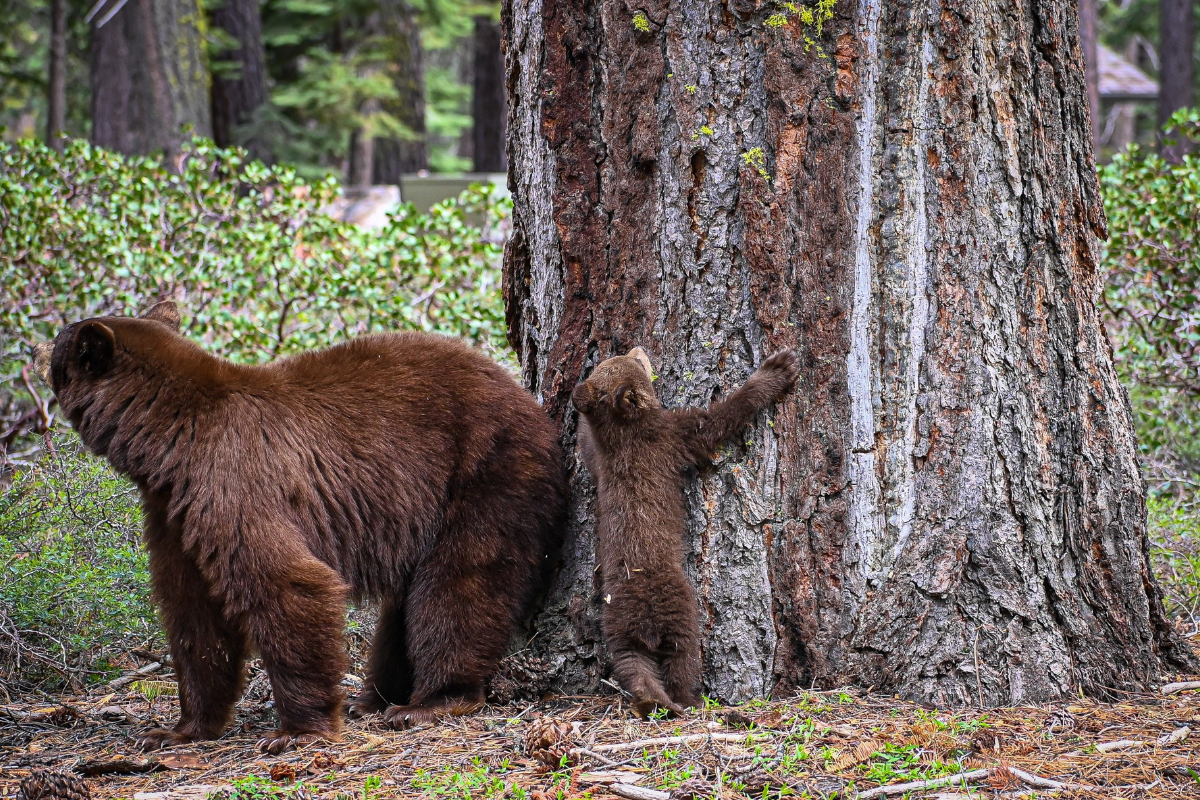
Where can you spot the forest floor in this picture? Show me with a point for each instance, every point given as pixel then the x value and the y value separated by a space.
pixel 818 744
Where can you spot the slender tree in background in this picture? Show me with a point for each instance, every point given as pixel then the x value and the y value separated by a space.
pixel 149 75
pixel 488 103
pixel 1177 43
pixel 950 507
pixel 240 88
pixel 1089 39
pixel 394 156
pixel 56 106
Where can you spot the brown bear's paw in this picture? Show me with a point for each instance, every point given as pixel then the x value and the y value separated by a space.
pixel 159 738
pixel 403 718
pixel 282 741
pixel 367 702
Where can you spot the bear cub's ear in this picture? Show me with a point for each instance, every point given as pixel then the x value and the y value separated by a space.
pixel 625 399
pixel 94 346
pixel 165 312
pixel 584 397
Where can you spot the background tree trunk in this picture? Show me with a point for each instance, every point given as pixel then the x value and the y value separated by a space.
pixel 950 507
pixel 1089 39
pixel 394 156
pixel 488 105
pixel 237 95
pixel 1176 49
pixel 149 75
pixel 56 112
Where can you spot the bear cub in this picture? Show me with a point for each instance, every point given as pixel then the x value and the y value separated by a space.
pixel 404 468
pixel 637 450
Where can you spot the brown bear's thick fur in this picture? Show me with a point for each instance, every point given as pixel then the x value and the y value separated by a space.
pixel 637 450
pixel 406 468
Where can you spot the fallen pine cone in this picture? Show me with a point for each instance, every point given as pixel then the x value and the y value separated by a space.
pixel 323 762
pixel 549 740
pixel 283 773
pixel 46 784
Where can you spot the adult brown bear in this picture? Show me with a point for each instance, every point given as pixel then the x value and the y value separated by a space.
pixel 406 468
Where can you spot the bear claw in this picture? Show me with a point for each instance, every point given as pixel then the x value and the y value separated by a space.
pixel 161 738
pixel 282 741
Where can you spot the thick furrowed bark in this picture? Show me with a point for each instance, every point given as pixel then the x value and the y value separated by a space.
pixel 950 506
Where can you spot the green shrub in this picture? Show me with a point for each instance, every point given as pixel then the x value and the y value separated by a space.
pixel 259 270
pixel 1175 545
pixel 73 580
pixel 1151 267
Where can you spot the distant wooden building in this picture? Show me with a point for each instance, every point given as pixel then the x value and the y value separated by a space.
pixel 1122 82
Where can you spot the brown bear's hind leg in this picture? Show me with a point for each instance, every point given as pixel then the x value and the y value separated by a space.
pixel 295 617
pixel 389 674
pixel 208 650
pixel 462 605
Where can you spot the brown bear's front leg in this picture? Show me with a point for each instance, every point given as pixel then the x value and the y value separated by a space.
pixel 207 649
pixel 295 616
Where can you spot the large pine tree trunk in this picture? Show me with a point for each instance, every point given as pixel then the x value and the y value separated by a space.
pixel 56 100
pixel 950 508
pixel 239 93
pixel 149 75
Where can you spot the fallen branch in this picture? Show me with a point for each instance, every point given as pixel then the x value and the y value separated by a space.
pixel 1174 737
pixel 620 789
pixel 1182 686
pixel 951 780
pixel 667 740
pixel 1047 783
pixel 133 676
pixel 583 751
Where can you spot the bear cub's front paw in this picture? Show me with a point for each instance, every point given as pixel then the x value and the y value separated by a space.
pixel 780 371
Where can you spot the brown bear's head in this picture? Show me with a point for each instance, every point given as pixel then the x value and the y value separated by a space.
pixel 621 388
pixel 88 352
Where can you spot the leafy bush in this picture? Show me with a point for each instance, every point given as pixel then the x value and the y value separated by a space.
pixel 1175 547
pixel 1151 267
pixel 73 579
pixel 259 270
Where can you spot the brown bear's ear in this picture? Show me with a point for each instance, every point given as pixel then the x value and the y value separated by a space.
pixel 584 397
pixel 42 353
pixel 625 399
pixel 165 312
pixel 94 346
pixel 640 355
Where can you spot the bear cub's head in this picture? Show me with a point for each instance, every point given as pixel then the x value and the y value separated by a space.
pixel 619 389
pixel 87 351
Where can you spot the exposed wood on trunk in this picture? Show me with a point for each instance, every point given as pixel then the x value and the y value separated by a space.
pixel 149 75
pixel 236 96
pixel 950 507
